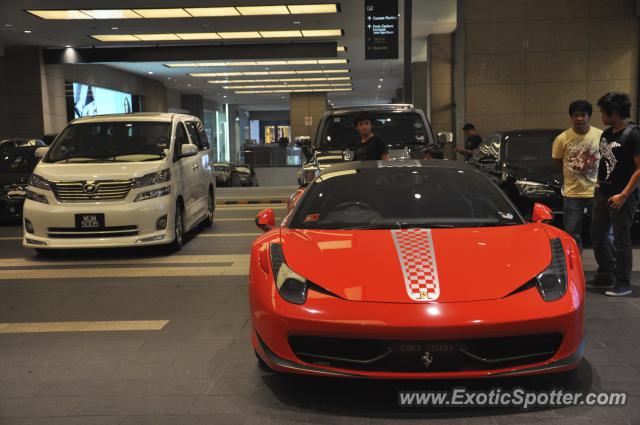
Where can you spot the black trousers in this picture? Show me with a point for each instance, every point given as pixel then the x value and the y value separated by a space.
pixel 615 264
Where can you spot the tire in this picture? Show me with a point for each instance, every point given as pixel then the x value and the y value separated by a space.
pixel 45 252
pixel 211 207
pixel 178 229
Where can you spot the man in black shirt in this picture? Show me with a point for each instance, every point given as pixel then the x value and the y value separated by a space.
pixel 371 147
pixel 471 143
pixel 616 195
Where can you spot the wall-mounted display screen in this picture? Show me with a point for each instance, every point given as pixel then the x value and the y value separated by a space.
pixel 86 100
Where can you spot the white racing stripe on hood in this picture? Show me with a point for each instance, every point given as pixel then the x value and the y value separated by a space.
pixel 418 261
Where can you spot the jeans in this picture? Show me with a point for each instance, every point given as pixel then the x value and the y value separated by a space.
pixel 574 212
pixel 613 264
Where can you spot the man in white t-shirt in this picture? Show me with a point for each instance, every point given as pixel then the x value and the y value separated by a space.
pixel 577 151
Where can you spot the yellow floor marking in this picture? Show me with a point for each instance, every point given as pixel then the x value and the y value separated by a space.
pixel 106 326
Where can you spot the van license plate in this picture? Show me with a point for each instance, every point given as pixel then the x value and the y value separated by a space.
pixel 90 221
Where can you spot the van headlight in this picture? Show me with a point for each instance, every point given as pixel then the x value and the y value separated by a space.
pixel 155 193
pixel 530 189
pixel 552 282
pixel 152 178
pixel 38 182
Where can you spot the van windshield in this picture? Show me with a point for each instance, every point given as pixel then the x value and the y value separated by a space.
pixel 119 141
pixel 392 127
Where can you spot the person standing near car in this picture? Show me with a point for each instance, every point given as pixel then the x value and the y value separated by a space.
pixel 577 151
pixel 471 143
pixel 371 147
pixel 616 196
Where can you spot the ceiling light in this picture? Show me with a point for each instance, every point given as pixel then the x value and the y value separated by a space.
pixel 162 13
pixel 112 14
pixel 27 31
pixel 303 9
pixel 342 48
pixel 239 35
pixel 332 61
pixel 199 36
pixel 157 37
pixel 68 46
pixel 8 25
pixel 335 71
pixel 280 34
pixel 322 33
pixel 303 62
pixel 212 12
pixel 379 86
pixel 271 63
pixel 262 10
pixel 115 38
pixel 255 73
pixel 59 14
pixel 296 22
pixel 115 28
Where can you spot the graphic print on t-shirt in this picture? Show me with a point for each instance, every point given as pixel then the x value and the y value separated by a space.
pixel 607 155
pixel 582 161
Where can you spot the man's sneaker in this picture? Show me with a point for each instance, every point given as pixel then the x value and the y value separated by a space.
pixel 599 283
pixel 619 291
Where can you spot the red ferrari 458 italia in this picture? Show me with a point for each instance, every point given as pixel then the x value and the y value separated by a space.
pixel 414 269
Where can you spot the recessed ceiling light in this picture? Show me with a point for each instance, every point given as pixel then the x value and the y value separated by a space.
pixel 112 14
pixel 296 22
pixel 262 10
pixel 157 37
pixel 239 35
pixel 115 38
pixel 301 9
pixel 342 48
pixel 162 13
pixel 68 46
pixel 211 12
pixel 280 34
pixel 115 28
pixel 199 36
pixel 27 31
pixel 322 33
pixel 8 25
pixel 59 14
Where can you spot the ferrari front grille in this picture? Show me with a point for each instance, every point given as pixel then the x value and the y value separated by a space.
pixel 425 356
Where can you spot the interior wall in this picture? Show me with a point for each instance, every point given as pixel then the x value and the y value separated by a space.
pixel 53 89
pixel 303 105
pixel 527 60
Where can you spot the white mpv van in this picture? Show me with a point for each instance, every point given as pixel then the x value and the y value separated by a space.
pixel 121 180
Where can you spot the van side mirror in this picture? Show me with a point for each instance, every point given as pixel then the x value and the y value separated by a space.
pixel 266 220
pixel 445 137
pixel 541 213
pixel 41 152
pixel 188 150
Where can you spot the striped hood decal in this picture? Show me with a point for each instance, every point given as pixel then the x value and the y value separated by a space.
pixel 418 261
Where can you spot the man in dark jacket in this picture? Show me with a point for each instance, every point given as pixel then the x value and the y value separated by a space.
pixel 371 147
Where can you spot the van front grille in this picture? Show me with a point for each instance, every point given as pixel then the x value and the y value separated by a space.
pixel 106 190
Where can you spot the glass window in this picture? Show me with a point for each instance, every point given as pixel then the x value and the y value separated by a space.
pixel 394 128
pixel 529 147
pixel 204 140
pixel 181 139
pixel 403 197
pixel 117 141
pixel 488 150
pixel 193 134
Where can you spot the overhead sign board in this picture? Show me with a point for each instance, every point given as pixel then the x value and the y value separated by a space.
pixel 381 29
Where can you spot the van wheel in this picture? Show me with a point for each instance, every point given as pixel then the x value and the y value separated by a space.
pixel 178 229
pixel 211 207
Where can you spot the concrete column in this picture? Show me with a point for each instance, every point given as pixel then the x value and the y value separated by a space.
pixel 306 105
pixel 194 103
pixel 24 96
pixel 420 86
pixel 441 102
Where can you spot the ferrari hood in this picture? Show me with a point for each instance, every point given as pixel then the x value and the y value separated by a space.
pixel 418 265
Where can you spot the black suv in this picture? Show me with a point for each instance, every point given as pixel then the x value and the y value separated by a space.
pixel 404 129
pixel 16 165
pixel 519 161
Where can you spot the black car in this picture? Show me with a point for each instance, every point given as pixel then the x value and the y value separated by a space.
pixel 404 128
pixel 16 165
pixel 243 175
pixel 519 161
pixel 223 171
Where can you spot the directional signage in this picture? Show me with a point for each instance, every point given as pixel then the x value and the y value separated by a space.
pixel 381 29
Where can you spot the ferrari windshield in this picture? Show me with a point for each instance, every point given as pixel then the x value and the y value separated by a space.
pixel 394 128
pixel 403 197
pixel 112 142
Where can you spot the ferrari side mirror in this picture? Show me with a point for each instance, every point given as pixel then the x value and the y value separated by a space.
pixel 266 220
pixel 541 213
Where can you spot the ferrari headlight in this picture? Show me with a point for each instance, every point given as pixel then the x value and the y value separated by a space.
pixel 38 182
pixel 552 282
pixel 162 176
pixel 533 189
pixel 291 286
